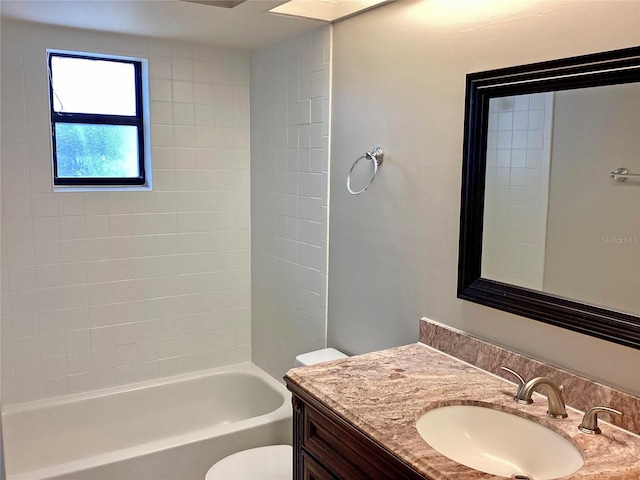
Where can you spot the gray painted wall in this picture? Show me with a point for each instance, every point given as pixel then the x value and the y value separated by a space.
pixel 589 212
pixel 398 82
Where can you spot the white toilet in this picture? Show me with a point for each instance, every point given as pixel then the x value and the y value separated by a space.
pixel 273 462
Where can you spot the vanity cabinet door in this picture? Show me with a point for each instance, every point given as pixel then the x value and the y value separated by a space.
pixel 314 471
pixel 325 446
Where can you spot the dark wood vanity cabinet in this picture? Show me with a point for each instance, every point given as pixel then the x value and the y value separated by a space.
pixel 327 447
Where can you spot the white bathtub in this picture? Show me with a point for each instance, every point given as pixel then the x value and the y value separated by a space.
pixel 171 429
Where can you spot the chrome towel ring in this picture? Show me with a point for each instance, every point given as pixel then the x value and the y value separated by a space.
pixel 375 155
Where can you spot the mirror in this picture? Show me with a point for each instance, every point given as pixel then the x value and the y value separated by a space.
pixel 546 232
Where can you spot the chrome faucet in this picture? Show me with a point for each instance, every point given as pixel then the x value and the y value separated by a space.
pixel 557 408
pixel 553 392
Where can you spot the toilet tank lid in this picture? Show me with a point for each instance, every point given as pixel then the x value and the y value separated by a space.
pixel 318 356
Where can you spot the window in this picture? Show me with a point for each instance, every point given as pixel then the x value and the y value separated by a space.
pixel 98 110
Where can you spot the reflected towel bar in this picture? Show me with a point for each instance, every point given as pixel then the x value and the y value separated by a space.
pixel 622 174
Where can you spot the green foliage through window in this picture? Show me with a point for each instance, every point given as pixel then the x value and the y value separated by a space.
pixel 84 150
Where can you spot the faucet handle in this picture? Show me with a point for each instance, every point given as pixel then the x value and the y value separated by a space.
pixel 590 420
pixel 521 381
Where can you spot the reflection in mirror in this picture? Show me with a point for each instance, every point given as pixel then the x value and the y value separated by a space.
pixel 553 219
pixel 545 231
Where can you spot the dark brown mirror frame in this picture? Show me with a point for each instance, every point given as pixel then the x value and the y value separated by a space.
pixel 607 68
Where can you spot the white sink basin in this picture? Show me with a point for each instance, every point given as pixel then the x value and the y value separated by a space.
pixel 498 442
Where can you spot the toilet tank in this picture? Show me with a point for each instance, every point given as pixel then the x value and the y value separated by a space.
pixel 318 356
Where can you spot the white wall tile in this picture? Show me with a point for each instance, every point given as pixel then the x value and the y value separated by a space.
pixel 120 225
pixel 182 91
pixel 72 251
pixel 165 202
pixel 44 205
pixel 79 383
pixel 203 71
pixel 53 344
pixel 160 90
pixel 74 273
pixel 92 278
pixel 53 387
pixel 72 228
pixel 26 392
pixel 203 93
pixel 159 66
pixel 96 226
pixel 50 322
pixel 161 113
pixel 96 203
pixel 121 247
pixel 183 114
pixel 103 315
pixel 71 204
pixel 22 278
pixel 24 325
pixel 97 249
pixel 288 256
pixel 224 73
pixel 54 366
pixel 28 370
pixel 25 348
pixel 103 378
pixel 120 203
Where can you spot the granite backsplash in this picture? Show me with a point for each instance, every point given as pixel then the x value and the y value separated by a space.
pixel 579 392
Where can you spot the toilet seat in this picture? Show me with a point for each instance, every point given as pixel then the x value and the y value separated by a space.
pixel 274 462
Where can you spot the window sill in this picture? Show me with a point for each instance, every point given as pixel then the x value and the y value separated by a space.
pixel 102 188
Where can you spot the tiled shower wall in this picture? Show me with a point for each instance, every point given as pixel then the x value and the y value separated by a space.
pixel 101 289
pixel 517 189
pixel 290 85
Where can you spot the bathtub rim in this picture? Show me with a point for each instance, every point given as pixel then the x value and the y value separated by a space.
pixel 244 367
pixel 283 413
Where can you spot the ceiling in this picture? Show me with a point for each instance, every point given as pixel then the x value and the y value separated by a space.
pixel 245 26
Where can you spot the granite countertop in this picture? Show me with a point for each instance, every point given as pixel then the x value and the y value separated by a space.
pixel 383 393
